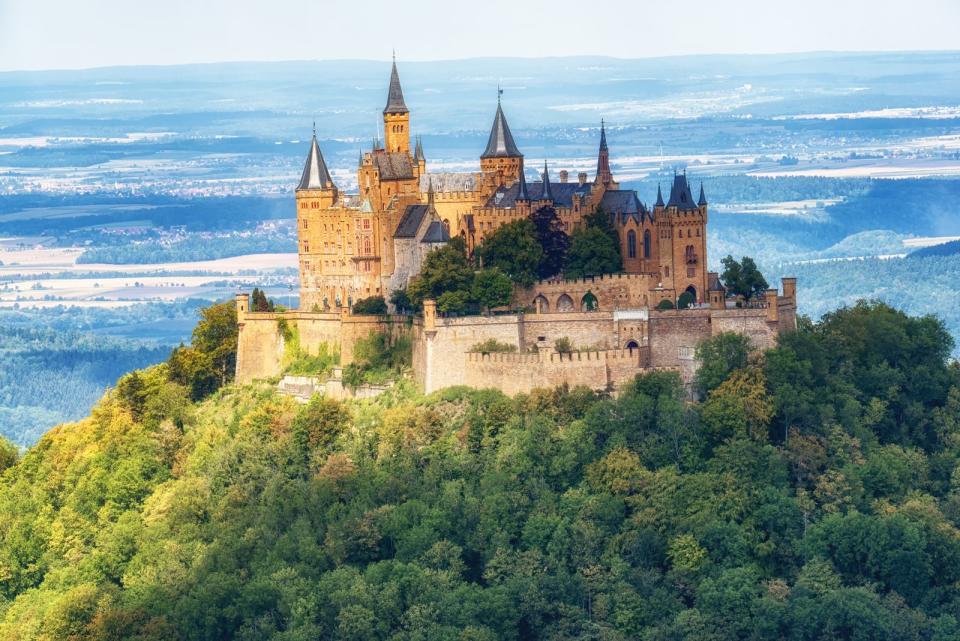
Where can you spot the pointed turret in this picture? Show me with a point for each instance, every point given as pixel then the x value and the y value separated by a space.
pixel 418 151
pixel 500 144
pixel 604 175
pixel 522 193
pixel 396 117
pixel 315 174
pixel 702 202
pixel 659 202
pixel 395 102
pixel 430 192
pixel 680 195
pixel 547 193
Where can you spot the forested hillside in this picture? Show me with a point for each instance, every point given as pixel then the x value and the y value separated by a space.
pixel 813 494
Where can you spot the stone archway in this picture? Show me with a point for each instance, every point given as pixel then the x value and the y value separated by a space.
pixel 632 345
pixel 541 304
pixel 589 302
pixel 565 303
pixel 693 292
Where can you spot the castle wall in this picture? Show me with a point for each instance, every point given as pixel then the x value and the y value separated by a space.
pixel 612 291
pixel 260 347
pixel 520 373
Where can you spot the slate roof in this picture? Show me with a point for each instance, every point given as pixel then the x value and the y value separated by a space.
pixel 418 151
pixel 714 284
pixel 703 197
pixel 395 103
pixel 659 202
pixel 393 165
pixel 500 144
pixel 680 195
pixel 436 233
pixel 315 174
pixel 623 204
pixel 410 223
pixel 563 194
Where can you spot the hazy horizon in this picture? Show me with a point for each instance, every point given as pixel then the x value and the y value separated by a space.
pixel 108 33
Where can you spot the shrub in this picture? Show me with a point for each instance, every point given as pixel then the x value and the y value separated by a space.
pixel 374 305
pixel 563 345
pixel 665 304
pixel 493 346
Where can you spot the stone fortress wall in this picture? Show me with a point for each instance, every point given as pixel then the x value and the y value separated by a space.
pixel 611 345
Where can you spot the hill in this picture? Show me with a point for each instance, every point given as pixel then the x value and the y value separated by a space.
pixel 813 494
pixel 951 248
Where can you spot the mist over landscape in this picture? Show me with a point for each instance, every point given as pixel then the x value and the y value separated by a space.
pixel 131 195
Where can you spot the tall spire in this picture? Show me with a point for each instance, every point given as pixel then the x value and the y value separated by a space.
pixel 500 144
pixel 522 193
pixel 659 202
pixel 547 193
pixel 703 197
pixel 604 175
pixel 315 174
pixel 395 103
pixel 430 191
pixel 418 151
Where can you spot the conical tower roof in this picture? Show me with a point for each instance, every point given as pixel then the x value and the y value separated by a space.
pixel 500 144
pixel 315 174
pixel 659 202
pixel 522 193
pixel 547 193
pixel 703 197
pixel 418 151
pixel 395 103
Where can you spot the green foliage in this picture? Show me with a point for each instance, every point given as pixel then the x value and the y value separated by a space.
pixel 445 269
pixel 493 346
pixel 471 515
pixel 554 242
pixel 377 359
pixel 9 454
pixel 743 278
pixel 513 248
pixel 374 305
pixel 491 288
pixel 685 300
pixel 665 304
pixel 719 356
pixel 400 300
pixel 211 359
pixel 259 301
pixel 594 248
pixel 563 345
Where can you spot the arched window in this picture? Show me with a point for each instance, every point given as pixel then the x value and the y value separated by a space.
pixel 564 303
pixel 366 246
pixel 631 244
pixel 646 244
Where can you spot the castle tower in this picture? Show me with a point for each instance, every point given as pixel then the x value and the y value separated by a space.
pixel 501 162
pixel 604 175
pixel 316 194
pixel 396 117
pixel 682 225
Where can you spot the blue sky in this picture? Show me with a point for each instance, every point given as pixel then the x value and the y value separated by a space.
pixel 59 34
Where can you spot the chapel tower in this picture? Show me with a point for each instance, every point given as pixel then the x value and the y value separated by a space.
pixel 316 195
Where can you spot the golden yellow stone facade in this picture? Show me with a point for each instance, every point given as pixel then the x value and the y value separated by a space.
pixel 370 243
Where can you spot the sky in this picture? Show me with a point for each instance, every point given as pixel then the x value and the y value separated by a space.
pixel 69 34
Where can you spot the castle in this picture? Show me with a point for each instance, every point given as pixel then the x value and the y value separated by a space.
pixel 373 242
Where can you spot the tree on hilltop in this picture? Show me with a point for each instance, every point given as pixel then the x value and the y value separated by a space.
pixel 553 240
pixel 743 278
pixel 515 250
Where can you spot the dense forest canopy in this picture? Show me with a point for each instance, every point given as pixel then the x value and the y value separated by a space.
pixel 814 493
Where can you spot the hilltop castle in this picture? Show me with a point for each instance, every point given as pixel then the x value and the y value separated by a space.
pixel 373 242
